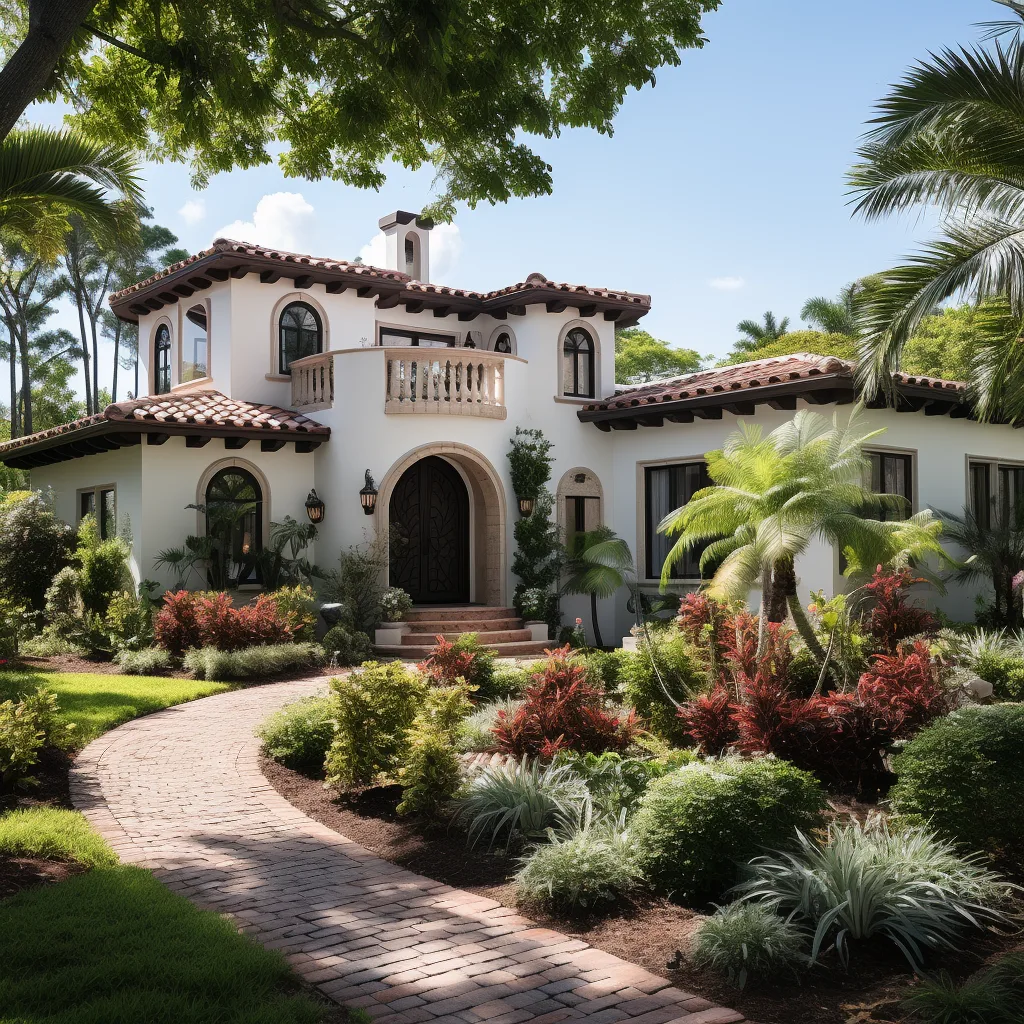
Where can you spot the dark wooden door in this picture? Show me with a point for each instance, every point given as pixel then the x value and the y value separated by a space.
pixel 429 540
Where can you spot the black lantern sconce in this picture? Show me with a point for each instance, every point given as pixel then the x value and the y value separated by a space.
pixel 368 495
pixel 526 506
pixel 315 507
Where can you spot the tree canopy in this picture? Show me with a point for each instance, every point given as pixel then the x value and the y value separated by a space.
pixel 640 357
pixel 336 89
pixel 816 342
pixel 756 335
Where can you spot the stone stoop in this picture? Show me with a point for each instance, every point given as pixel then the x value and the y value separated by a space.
pixel 498 629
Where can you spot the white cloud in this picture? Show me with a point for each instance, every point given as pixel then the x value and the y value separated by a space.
pixel 445 250
pixel 726 284
pixel 193 211
pixel 280 221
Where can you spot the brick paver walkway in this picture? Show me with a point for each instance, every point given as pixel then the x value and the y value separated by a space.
pixel 181 792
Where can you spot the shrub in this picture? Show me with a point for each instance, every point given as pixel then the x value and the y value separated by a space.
pixel 54 834
pixel 991 997
pixel 862 883
pixel 562 711
pixel 250 662
pixel 374 708
pixel 300 734
pixel 34 546
pixel 63 597
pixel 357 584
pixel 700 620
pixel 617 783
pixel 962 775
pixel 747 941
pixel 129 621
pixel 708 721
pixel 679 671
pixel 891 618
pixel 520 799
pixel 602 668
pixel 1004 671
pixel 346 646
pixel 16 626
pixel 394 603
pixel 189 620
pixel 104 567
pixel 590 867
pixel 463 658
pixel 150 661
pixel 297 609
pixel 694 824
pixel 508 681
pixel 261 622
pixel 432 773
pixel 476 731
pixel 175 625
pixel 904 688
pixel 26 726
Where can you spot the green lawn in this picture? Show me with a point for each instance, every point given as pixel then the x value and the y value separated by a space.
pixel 96 703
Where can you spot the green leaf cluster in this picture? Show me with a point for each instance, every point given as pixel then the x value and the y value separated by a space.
pixel 640 357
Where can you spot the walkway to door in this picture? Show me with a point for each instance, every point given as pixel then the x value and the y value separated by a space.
pixel 181 792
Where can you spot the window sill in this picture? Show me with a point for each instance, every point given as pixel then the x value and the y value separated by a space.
pixel 186 385
pixel 572 400
pixel 281 378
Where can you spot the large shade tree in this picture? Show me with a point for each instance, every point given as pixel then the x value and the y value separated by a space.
pixel 773 495
pixel 339 88
pixel 640 357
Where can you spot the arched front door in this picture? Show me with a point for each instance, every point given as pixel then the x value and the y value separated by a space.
pixel 429 533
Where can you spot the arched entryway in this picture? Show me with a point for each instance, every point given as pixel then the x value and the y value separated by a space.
pixel 429 533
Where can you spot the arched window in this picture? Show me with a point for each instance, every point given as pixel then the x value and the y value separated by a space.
pixel 301 334
pixel 162 361
pixel 503 343
pixel 578 364
pixel 234 520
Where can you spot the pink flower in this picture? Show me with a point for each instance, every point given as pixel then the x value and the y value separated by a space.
pixel 579 622
pixel 1018 580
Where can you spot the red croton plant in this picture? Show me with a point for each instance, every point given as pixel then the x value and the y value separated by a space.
pixel 195 619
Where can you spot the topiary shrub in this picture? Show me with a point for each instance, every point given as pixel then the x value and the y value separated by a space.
pixel 374 709
pixel 34 546
pixel 697 824
pixel 961 775
pixel 346 646
pixel 300 734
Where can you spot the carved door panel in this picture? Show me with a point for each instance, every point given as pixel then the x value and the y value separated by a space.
pixel 429 541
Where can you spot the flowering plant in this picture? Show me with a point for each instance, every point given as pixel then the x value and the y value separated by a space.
pixel 534 603
pixel 394 603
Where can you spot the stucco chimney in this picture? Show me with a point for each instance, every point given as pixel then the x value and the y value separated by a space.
pixel 407 238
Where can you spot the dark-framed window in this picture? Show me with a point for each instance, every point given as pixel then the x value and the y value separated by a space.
pixel 994 485
pixel 980 474
pixel 300 334
pixel 393 337
pixel 667 488
pixel 578 364
pixel 194 347
pixel 162 361
pixel 503 343
pixel 234 518
pixel 893 473
pixel 578 514
pixel 100 502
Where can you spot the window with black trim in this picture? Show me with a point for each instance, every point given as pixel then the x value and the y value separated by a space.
pixel 392 337
pixel 578 364
pixel 667 488
pixel 995 487
pixel 194 345
pixel 101 503
pixel 893 473
pixel 162 361
pixel 582 513
pixel 503 343
pixel 234 519
pixel 300 334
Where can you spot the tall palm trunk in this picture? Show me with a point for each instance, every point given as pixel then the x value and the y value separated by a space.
pixel 784 587
pixel 26 378
pixel 593 617
pixel 89 409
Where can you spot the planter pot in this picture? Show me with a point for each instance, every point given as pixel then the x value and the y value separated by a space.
pixel 629 643
pixel 390 634
pixel 538 630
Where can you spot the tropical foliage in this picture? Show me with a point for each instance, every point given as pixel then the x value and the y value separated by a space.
pixel 640 357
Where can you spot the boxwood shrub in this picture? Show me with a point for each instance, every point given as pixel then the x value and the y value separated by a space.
pixel 962 776
pixel 696 825
pixel 1004 671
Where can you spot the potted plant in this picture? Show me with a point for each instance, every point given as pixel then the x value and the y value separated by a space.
pixel 534 602
pixel 394 603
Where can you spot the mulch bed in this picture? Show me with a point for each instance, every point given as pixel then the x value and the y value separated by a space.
pixel 76 663
pixel 17 873
pixel 653 933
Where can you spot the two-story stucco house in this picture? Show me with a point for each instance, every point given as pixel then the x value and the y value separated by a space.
pixel 270 375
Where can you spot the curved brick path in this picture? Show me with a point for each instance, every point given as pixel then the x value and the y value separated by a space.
pixel 180 792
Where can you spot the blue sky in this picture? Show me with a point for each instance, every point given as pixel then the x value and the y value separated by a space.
pixel 721 192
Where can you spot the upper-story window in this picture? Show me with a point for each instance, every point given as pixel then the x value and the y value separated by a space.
pixel 301 334
pixel 162 360
pixel 392 337
pixel 578 364
pixel 194 347
pixel 503 343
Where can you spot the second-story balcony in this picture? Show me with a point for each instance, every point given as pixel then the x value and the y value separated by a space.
pixel 417 381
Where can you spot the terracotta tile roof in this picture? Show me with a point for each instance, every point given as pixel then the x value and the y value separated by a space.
pixel 200 411
pixel 534 282
pixel 754 374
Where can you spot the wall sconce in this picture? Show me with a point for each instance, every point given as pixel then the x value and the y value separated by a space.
pixel 368 495
pixel 315 507
pixel 526 506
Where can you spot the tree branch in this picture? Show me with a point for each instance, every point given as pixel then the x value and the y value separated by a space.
pixel 120 44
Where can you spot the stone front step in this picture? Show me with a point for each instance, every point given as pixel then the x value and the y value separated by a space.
pixel 457 613
pixel 486 637
pixel 519 649
pixel 456 626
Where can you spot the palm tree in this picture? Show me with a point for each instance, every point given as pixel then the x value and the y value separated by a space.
pixel 599 563
pixel 757 335
pixel 48 174
pixel 773 495
pixel 839 315
pixel 951 135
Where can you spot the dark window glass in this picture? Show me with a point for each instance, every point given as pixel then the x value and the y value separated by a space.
pixel 87 504
pixel 666 489
pixel 301 334
pixel 893 474
pixel 576 517
pixel 391 337
pixel 578 364
pixel 981 493
pixel 503 344
pixel 234 518
pixel 162 361
pixel 108 513
pixel 1011 489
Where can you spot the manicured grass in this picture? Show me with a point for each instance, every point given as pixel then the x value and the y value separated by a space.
pixel 113 946
pixel 96 703
pixel 54 834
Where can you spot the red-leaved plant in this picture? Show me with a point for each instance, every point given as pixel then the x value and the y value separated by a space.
pixel 904 688
pixel 175 626
pixel 739 635
pixel 892 618
pixel 447 662
pixel 562 711
pixel 709 722
pixel 190 619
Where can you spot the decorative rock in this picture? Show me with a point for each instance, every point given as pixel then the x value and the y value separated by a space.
pixel 978 688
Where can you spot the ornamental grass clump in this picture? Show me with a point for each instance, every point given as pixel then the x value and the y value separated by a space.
pixel 867 882
pixel 476 731
pixel 749 942
pixel 991 997
pixel 521 800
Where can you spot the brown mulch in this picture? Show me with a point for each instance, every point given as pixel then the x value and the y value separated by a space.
pixel 655 934
pixel 17 873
